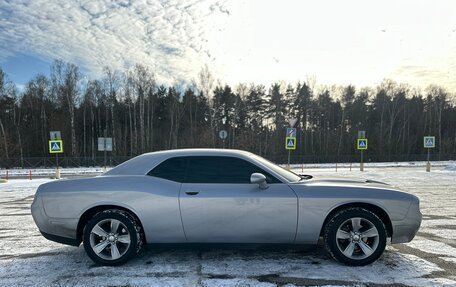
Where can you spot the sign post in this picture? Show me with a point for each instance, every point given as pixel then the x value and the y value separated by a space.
pixel 429 142
pixel 105 145
pixel 362 146
pixel 290 138
pixel 290 142
pixel 361 135
pixel 56 147
pixel 223 134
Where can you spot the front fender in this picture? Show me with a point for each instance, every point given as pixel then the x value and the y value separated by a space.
pixel 317 202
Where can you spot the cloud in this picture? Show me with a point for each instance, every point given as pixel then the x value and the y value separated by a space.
pixel 340 42
pixel 422 76
pixel 166 35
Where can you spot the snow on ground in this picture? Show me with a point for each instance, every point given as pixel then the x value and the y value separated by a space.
pixel 432 246
pixel 449 164
pixel 24 172
pixel 28 259
pixel 40 172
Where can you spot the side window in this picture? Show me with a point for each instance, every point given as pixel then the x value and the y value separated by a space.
pixel 171 169
pixel 221 169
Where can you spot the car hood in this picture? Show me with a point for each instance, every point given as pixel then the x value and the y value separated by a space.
pixel 344 181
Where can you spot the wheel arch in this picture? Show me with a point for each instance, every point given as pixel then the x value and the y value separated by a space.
pixel 89 213
pixel 380 212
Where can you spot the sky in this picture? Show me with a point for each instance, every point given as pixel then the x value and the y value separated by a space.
pixel 241 41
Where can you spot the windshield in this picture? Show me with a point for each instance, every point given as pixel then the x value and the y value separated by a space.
pixel 288 175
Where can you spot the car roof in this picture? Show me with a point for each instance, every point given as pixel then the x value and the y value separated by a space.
pixel 142 164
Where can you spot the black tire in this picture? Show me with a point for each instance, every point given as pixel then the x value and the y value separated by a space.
pixel 355 245
pixel 128 229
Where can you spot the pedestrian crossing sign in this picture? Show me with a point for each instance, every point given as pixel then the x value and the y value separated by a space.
pixel 290 143
pixel 429 142
pixel 56 146
pixel 362 144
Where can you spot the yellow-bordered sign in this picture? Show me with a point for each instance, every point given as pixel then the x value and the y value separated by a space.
pixel 362 144
pixel 290 143
pixel 56 146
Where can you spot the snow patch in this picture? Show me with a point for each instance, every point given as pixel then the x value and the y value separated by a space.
pixel 431 246
pixel 449 259
pixel 442 233
pixel 450 167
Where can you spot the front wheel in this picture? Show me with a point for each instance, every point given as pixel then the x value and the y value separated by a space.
pixel 112 237
pixel 355 236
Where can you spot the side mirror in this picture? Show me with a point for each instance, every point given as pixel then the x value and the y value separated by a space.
pixel 259 179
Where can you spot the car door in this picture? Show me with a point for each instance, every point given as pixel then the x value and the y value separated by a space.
pixel 219 204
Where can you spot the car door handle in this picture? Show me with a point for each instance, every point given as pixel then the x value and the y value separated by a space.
pixel 191 192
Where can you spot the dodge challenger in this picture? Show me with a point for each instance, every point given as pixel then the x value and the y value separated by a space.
pixel 222 196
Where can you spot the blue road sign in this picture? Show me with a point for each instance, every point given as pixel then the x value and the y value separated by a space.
pixel 55 146
pixel 362 144
pixel 290 143
pixel 291 132
pixel 429 142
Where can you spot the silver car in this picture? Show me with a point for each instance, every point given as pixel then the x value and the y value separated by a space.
pixel 222 196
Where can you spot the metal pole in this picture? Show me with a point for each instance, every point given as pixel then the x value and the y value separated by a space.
pixel 57 171
pixel 361 166
pixel 428 164
pixel 104 142
pixel 289 152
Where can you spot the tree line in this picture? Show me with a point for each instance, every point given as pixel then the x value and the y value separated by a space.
pixel 142 115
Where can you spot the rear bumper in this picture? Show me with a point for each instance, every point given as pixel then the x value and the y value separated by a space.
pixel 61 239
pixel 62 230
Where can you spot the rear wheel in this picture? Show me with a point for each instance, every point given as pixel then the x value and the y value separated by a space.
pixel 355 236
pixel 112 237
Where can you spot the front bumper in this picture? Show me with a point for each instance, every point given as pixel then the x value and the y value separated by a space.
pixel 406 229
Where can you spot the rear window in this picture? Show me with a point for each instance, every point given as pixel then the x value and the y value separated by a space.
pixel 171 169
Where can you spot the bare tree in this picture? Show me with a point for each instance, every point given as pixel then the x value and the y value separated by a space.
pixel 65 81
pixel 440 99
pixel 2 94
pixel 143 81
pixel 112 82
pixel 206 84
